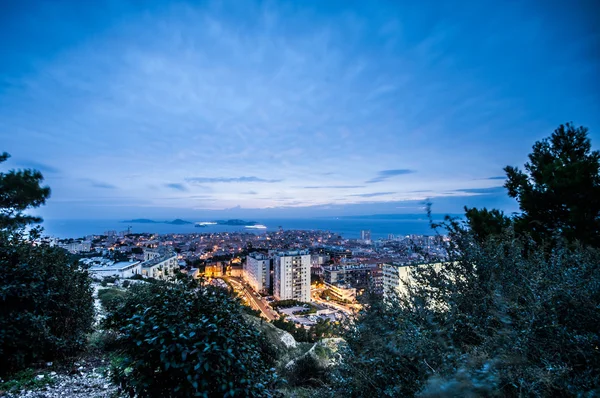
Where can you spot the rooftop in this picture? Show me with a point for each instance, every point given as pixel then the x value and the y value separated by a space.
pixel 119 265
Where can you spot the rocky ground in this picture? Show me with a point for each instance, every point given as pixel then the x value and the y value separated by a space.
pixel 87 378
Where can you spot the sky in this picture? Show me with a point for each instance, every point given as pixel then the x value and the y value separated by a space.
pixel 288 108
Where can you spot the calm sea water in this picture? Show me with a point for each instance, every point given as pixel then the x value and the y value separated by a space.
pixel 380 226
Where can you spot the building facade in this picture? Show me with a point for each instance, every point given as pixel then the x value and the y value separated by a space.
pixel 257 271
pixel 123 269
pixel 355 275
pixel 291 278
pixel 396 274
pixel 159 264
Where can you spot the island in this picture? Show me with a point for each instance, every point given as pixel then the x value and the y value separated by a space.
pixel 236 222
pixel 177 221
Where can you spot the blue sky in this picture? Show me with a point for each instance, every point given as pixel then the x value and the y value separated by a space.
pixel 308 108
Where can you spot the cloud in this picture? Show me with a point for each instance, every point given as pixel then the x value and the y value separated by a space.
pixel 250 193
pixel 482 191
pixel 44 168
pixel 176 186
pixel 205 180
pixel 99 184
pixel 494 178
pixel 333 186
pixel 385 174
pixel 371 195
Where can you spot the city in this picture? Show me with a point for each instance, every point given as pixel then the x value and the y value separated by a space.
pixel 299 199
pixel 315 274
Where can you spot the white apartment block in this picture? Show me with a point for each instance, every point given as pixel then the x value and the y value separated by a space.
pixel 159 264
pixel 395 274
pixel 291 277
pixel 123 269
pixel 257 271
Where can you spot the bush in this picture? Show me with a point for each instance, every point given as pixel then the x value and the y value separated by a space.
pixel 306 371
pixel 504 317
pixel 110 298
pixel 188 339
pixel 46 304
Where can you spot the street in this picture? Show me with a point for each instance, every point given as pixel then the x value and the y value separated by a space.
pixel 254 299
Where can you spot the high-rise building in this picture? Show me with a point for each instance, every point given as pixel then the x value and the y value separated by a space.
pixel 395 276
pixel 365 235
pixel 257 271
pixel 291 280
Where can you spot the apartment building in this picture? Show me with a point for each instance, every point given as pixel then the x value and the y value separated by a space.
pixel 257 271
pixel 395 274
pixel 291 278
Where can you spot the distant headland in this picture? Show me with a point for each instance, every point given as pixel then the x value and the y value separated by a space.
pixel 233 222
pixel 177 221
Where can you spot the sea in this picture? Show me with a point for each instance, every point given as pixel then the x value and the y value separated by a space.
pixel 381 226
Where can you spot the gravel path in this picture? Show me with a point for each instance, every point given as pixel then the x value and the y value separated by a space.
pixel 83 380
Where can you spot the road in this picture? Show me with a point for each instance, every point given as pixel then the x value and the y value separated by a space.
pixel 332 304
pixel 255 301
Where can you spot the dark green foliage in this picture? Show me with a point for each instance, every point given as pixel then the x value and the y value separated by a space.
pixel 305 372
pixel 46 305
pixel 484 222
pixel 20 190
pixel 298 332
pixel 490 321
pixel 110 298
pixel 514 312
pixel 187 339
pixel 559 191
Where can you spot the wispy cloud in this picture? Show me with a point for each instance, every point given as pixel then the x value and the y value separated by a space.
pixel 495 178
pixel 208 180
pixel 373 194
pixel 333 186
pixel 177 187
pixel 482 191
pixel 386 174
pixel 99 184
pixel 250 193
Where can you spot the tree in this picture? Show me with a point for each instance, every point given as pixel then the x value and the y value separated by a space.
pixel 20 190
pixel 186 338
pixel 485 223
pixel 490 322
pixel 46 305
pixel 559 191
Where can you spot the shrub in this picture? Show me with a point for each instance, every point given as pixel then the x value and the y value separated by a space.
pixel 188 339
pixel 46 304
pixel 305 371
pixel 110 298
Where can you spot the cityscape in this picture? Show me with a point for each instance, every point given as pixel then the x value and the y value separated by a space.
pixel 299 199
pixel 317 269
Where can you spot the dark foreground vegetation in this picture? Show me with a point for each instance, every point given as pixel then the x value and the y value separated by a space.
pixel 515 311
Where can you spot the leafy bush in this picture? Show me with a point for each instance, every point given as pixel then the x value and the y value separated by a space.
pixel 298 332
pixel 188 339
pixel 46 304
pixel 110 298
pixel 305 371
pixel 504 317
